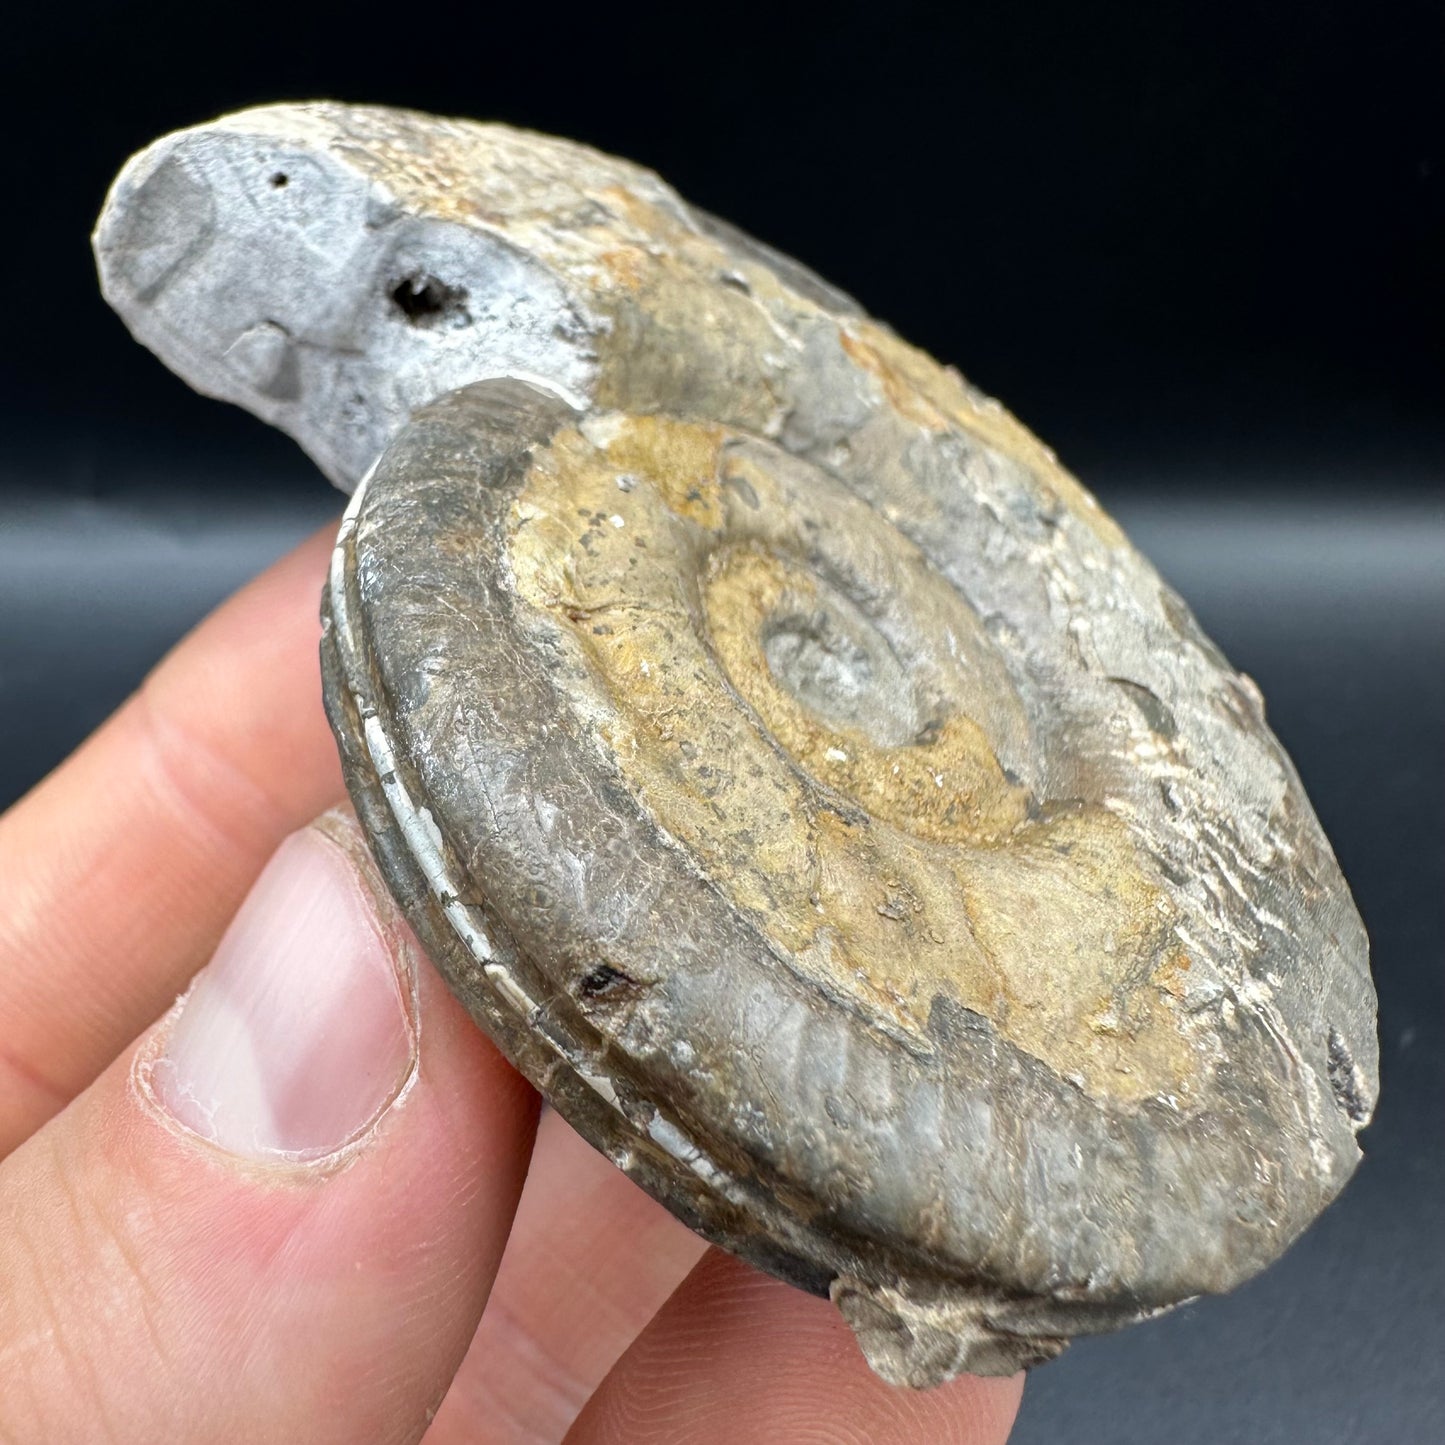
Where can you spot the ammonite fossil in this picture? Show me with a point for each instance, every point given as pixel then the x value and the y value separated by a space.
pixel 782 756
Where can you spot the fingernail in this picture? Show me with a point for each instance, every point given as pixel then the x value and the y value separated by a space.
pixel 300 1032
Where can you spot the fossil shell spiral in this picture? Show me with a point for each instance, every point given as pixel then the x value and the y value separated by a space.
pixel 785 760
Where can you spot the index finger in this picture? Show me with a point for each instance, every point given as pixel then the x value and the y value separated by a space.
pixel 123 867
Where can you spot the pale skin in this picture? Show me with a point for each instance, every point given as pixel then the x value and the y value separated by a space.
pixel 468 1274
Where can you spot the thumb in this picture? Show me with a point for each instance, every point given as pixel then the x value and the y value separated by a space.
pixel 278 1216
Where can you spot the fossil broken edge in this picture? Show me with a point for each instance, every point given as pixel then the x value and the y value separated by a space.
pixel 914 1330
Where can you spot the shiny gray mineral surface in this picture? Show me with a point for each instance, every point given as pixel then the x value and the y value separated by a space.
pixel 782 756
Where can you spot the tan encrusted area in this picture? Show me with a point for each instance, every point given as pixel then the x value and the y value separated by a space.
pixel 478 174
pixel 891 873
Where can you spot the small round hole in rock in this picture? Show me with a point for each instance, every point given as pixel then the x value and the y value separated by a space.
pixel 279 180
pixel 425 301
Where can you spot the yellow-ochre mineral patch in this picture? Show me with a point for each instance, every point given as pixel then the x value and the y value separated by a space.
pixel 818 717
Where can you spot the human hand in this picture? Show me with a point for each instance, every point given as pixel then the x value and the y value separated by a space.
pixel 282 1212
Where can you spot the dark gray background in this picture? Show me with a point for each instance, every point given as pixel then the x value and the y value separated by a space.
pixel 1200 249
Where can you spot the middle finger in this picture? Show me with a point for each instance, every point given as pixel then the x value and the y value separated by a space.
pixel 589 1262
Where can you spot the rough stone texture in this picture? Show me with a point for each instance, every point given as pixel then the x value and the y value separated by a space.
pixel 783 757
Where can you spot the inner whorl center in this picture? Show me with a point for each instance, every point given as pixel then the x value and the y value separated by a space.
pixel 837 664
